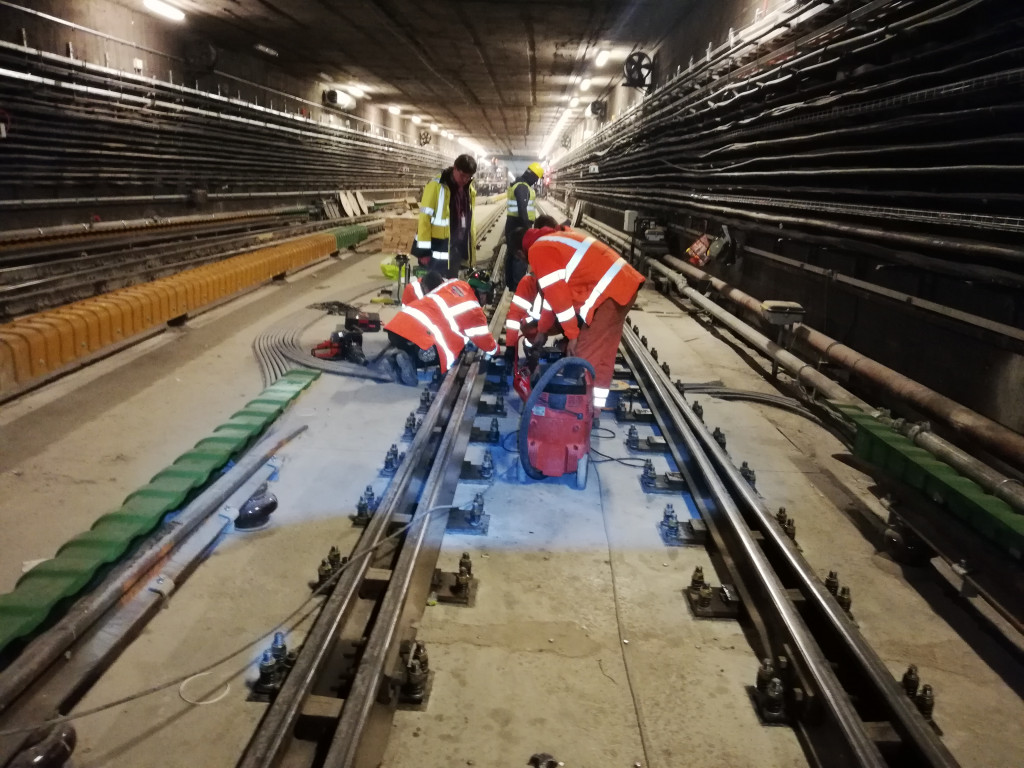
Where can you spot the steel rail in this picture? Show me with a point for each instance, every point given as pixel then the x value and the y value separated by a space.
pixel 406 594
pixel 60 686
pixel 454 405
pixel 829 723
pixel 275 732
pixel 46 648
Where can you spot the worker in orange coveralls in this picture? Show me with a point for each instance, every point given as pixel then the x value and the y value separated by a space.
pixel 446 319
pixel 584 280
pixel 418 287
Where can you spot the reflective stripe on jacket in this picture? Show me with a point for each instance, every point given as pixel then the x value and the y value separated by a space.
pixel 434 228
pixel 577 274
pixel 413 291
pixel 512 210
pixel 448 318
pixel 528 304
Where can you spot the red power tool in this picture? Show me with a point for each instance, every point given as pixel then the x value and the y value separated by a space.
pixel 558 412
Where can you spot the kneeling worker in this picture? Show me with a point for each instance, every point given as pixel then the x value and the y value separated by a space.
pixel 418 287
pixel 445 320
pixel 580 276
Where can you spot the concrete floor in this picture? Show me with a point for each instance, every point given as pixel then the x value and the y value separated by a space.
pixel 579 644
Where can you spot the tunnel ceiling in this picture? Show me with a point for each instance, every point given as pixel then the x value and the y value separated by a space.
pixel 495 72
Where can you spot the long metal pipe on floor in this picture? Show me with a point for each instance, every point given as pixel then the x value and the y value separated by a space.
pixel 44 649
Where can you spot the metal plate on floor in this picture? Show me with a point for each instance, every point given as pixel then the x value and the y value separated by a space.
pixel 724 603
pixel 459 522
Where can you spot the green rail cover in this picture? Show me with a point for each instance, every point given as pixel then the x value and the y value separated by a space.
pixel 36 596
pixel 898 456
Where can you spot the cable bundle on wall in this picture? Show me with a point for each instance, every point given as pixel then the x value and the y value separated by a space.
pixel 81 131
pixel 888 127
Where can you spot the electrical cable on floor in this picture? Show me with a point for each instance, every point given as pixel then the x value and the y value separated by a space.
pixel 204 702
pixel 504 440
pixel 623 641
pixel 292 620
pixel 624 460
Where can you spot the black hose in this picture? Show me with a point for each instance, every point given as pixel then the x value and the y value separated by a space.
pixel 524 420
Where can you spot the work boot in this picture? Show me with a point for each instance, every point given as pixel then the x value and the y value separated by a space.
pixel 406 369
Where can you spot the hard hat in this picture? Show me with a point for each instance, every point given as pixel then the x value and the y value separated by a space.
pixel 538 171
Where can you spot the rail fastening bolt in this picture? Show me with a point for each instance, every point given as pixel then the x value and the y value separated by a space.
pixel 832 583
pixel 911 680
pixel 697 579
pixel 925 701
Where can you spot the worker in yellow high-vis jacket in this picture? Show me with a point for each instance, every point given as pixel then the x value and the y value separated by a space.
pixel 520 213
pixel 446 228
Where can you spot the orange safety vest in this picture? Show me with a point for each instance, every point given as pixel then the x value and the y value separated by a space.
pixel 528 304
pixel 578 273
pixel 413 290
pixel 447 318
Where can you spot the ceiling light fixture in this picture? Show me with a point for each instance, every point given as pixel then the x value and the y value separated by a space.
pixel 416 119
pixel 574 102
pixel 434 128
pixel 556 132
pixel 395 110
pixel 164 9
pixel 585 85
pixel 602 58
pixel 265 49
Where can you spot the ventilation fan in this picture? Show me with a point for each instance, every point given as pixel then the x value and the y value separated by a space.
pixel 566 141
pixel 425 137
pixel 638 70
pixel 335 98
pixel 598 109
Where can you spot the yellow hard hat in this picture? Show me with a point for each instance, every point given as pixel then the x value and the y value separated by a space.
pixel 538 171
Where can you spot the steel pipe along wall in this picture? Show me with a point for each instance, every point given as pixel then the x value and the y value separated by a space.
pixel 35 348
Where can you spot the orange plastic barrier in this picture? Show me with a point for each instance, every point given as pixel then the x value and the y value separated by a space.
pixel 37 347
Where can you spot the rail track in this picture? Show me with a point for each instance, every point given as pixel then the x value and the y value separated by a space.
pixel 333 703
